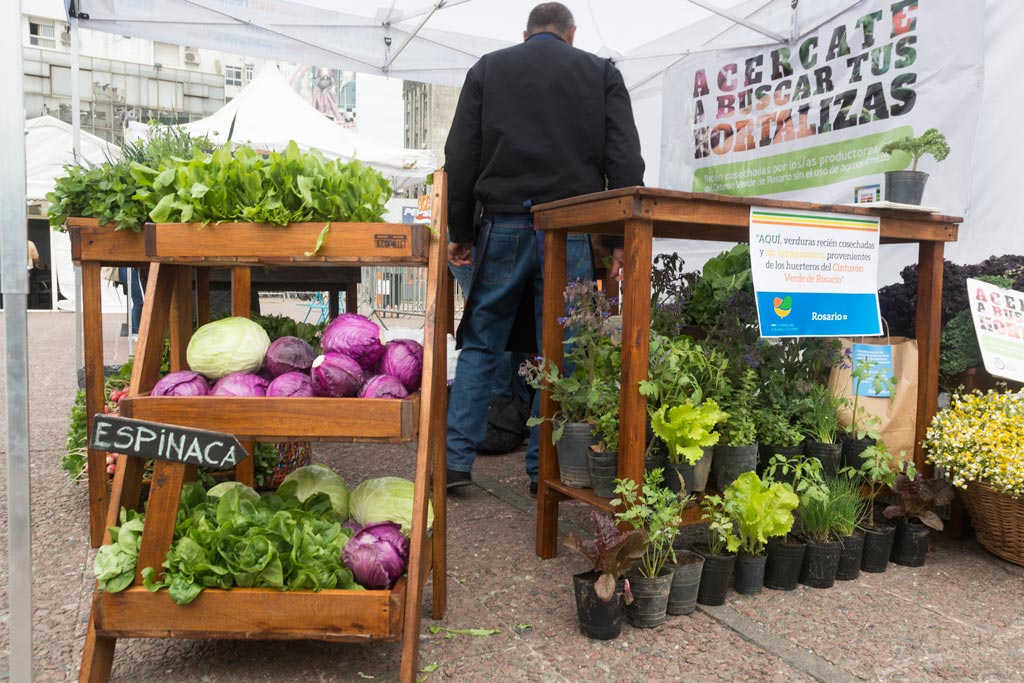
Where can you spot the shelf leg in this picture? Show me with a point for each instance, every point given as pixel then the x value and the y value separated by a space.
pixel 551 350
pixel 92 342
pixel 928 328
pixel 245 471
pixel 98 654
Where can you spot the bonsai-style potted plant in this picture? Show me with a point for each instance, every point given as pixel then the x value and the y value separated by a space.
pixel 907 187
pixel 657 512
pixel 846 508
pixel 760 510
pixel 976 442
pixel 915 514
pixel 719 553
pixel 687 430
pixel 785 554
pixel 821 427
pixel 878 470
pixel 736 452
pixel 602 592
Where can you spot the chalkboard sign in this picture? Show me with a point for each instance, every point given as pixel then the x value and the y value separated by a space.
pixel 157 441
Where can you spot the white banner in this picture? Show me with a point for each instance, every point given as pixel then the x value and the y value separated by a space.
pixel 806 121
pixel 999 322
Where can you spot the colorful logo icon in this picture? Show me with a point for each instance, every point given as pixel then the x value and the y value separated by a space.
pixel 783 306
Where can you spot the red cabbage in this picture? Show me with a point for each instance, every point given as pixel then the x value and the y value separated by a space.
pixel 240 384
pixel 294 384
pixel 336 374
pixel 356 336
pixel 377 555
pixel 403 358
pixel 383 386
pixel 181 383
pixel 289 354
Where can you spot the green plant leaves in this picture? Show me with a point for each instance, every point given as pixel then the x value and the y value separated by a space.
pixel 687 428
pixel 760 510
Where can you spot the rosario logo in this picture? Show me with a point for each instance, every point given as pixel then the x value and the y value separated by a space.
pixel 783 306
pixel 390 241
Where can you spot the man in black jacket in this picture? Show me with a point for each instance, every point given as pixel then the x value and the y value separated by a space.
pixel 536 122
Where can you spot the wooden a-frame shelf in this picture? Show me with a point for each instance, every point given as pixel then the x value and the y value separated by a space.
pixel 332 615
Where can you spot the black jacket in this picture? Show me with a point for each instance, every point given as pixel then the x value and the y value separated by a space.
pixel 537 122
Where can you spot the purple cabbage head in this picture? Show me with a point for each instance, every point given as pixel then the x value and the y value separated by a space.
pixel 383 386
pixel 336 375
pixel 353 526
pixel 289 354
pixel 181 383
pixel 241 384
pixel 403 358
pixel 377 555
pixel 291 384
pixel 356 336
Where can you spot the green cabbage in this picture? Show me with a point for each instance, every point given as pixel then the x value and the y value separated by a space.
pixel 383 500
pixel 244 492
pixel 313 479
pixel 226 346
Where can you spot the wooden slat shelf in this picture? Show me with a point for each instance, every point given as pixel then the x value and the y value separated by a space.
pixel 250 243
pixel 275 419
pixel 692 514
pixel 105 244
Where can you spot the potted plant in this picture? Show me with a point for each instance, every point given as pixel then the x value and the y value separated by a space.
pixel 760 510
pixel 817 525
pixel 776 435
pixel 878 470
pixel 862 431
pixel 719 553
pixel 603 457
pixel 821 427
pixel 846 508
pixel 907 187
pixel 976 442
pixel 657 512
pixel 914 513
pixel 602 592
pixel 785 554
pixel 686 567
pixel 736 452
pixel 687 430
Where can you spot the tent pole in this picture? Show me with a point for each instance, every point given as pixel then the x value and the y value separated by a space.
pixel 387 65
pixel 76 145
pixel 731 16
pixel 13 257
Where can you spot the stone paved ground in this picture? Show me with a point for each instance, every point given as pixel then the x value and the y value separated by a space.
pixel 959 618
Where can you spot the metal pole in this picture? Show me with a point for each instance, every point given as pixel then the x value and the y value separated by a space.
pixel 13 258
pixel 76 145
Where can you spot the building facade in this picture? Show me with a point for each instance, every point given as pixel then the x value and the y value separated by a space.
pixel 429 111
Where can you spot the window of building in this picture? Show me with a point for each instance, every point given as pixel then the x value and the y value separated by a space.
pixel 41 34
pixel 248 72
pixel 232 75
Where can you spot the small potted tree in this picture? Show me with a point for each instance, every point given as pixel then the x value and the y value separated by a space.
pixel 657 512
pixel 862 431
pixel 907 187
pixel 602 592
pixel 878 470
pixel 915 515
pixel 760 510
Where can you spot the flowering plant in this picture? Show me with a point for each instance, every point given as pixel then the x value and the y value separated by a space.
pixel 980 437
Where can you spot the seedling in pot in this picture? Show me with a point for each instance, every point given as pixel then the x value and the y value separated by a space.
pixel 612 553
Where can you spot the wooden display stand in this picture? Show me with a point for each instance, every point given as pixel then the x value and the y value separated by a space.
pixel 640 214
pixel 93 247
pixel 257 613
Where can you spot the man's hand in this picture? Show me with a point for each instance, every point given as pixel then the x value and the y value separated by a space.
pixel 618 258
pixel 460 253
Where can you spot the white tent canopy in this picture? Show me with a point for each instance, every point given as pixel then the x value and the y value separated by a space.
pixel 268 113
pixel 48 148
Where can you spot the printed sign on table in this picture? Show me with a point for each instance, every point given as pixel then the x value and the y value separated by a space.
pixel 999 322
pixel 815 274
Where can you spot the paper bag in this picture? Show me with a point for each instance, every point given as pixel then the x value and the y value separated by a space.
pixel 898 414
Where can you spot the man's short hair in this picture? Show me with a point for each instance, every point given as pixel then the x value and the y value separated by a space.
pixel 552 15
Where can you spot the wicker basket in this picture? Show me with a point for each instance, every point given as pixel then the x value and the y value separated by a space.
pixel 998 521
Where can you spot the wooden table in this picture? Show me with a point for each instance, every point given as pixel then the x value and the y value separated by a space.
pixel 640 214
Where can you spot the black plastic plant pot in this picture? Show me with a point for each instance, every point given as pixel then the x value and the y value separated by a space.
pixel 573 447
pixel 765 453
pixel 650 599
pixel 685 582
pixel 599 620
pixel 830 455
pixel 732 461
pixel 851 557
pixel 910 544
pixel 750 574
pixel 821 560
pixel 679 477
pixel 905 187
pixel 604 468
pixel 657 458
pixel 784 559
pixel 877 548
pixel 852 450
pixel 702 470
pixel 716 577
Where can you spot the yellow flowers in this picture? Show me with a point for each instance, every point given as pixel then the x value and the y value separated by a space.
pixel 980 437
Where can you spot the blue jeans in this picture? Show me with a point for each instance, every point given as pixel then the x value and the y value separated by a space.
pixel 509 269
pixel 135 290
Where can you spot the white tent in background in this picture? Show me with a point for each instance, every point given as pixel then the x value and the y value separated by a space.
pixel 48 149
pixel 268 113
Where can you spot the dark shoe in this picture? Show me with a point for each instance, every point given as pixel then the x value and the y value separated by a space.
pixel 533 489
pixel 457 479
